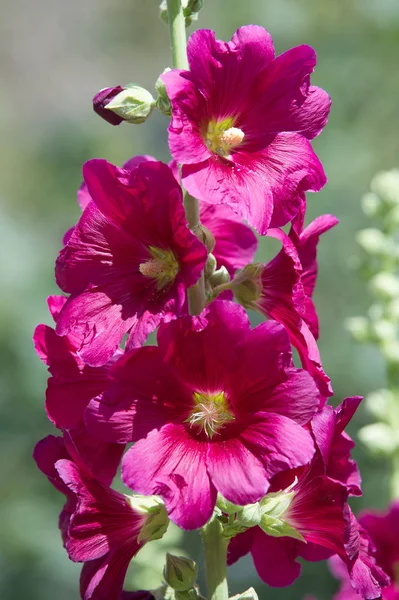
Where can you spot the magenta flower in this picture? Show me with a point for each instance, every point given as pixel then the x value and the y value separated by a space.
pixel 306 241
pixel 215 407
pixel 241 124
pixel 316 512
pixel 335 445
pixel 72 383
pixel 235 242
pixel 129 260
pixel 380 529
pixel 277 291
pixel 105 532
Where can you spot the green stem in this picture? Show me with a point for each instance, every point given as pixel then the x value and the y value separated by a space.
pixel 215 546
pixel 177 28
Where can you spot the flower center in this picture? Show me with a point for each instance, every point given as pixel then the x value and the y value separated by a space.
pixel 221 137
pixel 210 412
pixel 163 266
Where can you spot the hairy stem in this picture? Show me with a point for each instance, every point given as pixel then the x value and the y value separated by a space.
pixel 215 547
pixel 177 28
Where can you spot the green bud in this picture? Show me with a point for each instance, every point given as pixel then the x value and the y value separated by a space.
pixel 390 351
pixel 162 101
pixel 219 277
pixel 210 266
pixel 379 403
pixel 180 573
pixel 247 285
pixel 156 522
pixel 371 204
pixel 379 438
pixel 134 104
pixel 249 594
pixel 191 9
pixel 373 241
pixel 385 285
pixel 359 328
pixel 386 185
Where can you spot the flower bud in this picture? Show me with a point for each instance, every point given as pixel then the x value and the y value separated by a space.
pixel 379 403
pixel 379 439
pixel 210 266
pixel 219 277
pixel 180 573
pixel 373 241
pixel 191 9
pixel 102 99
pixel 205 236
pixel 162 101
pixel 133 104
pixel 385 285
pixel 359 328
pixel 386 186
pixel 371 204
pixel 247 285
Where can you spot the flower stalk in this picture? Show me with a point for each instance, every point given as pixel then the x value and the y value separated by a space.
pixel 215 549
pixel 177 30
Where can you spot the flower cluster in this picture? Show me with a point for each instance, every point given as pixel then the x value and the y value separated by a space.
pixel 220 422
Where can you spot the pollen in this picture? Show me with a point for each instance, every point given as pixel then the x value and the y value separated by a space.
pixel 162 266
pixel 222 137
pixel 210 412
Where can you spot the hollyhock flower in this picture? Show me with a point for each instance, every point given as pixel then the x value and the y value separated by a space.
pixel 335 445
pixel 105 531
pixel 215 406
pixel 305 241
pixel 129 259
pixel 235 242
pixel 72 383
pixel 316 513
pixel 276 290
pixel 381 529
pixel 241 124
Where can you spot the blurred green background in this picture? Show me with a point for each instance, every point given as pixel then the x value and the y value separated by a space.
pixel 55 56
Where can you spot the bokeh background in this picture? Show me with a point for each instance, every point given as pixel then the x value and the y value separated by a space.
pixel 55 55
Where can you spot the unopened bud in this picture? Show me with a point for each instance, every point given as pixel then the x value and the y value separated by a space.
pixel 385 285
pixel 380 402
pixel 180 573
pixel 373 241
pixel 219 277
pixel 102 99
pixel 371 204
pixel 133 104
pixel 383 330
pixel 205 236
pixel 359 328
pixel 191 9
pixel 162 101
pixel 386 186
pixel 379 438
pixel 247 285
pixel 210 266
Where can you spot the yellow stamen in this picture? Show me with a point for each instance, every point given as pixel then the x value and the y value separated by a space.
pixel 210 412
pixel 222 137
pixel 163 266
